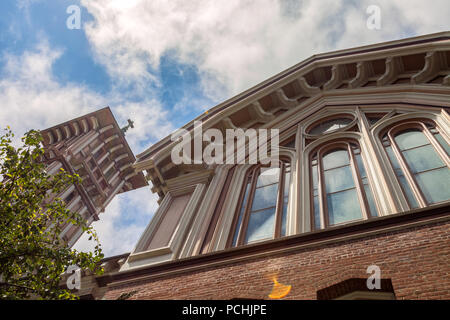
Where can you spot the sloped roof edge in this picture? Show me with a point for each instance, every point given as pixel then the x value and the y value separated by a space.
pixel 434 37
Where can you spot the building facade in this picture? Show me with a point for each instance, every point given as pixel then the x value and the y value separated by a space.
pixel 94 147
pixel 362 183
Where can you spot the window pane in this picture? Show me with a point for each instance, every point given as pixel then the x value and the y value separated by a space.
pixel 423 158
pixel 330 125
pixel 410 139
pixel 316 213
pixel 287 183
pixel 335 159
pixel 261 225
pixel 401 178
pixel 443 142
pixel 386 142
pixel 241 213
pixel 367 189
pixel 408 192
pixel 435 184
pixel 265 197
pixel 314 177
pixel 268 176
pixel 372 206
pixel 355 148
pixel 343 206
pixel 287 179
pixel 339 179
pixel 393 158
pixel 284 217
pixel 362 170
pixel 315 181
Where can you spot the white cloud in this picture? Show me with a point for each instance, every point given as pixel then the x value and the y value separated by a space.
pixel 150 122
pixel 121 225
pixel 236 44
pixel 31 98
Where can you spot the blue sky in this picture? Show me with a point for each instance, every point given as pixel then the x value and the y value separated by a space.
pixel 162 63
pixel 24 26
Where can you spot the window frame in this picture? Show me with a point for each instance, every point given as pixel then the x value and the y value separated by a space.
pixel 353 120
pixel 318 154
pixel 421 125
pixel 252 178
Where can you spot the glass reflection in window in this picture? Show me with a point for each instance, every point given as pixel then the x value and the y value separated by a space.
pixel 264 206
pixel 341 190
pixel 417 164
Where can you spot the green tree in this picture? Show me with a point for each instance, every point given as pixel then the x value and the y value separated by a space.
pixel 33 256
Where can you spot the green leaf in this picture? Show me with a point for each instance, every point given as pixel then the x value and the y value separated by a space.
pixel 32 255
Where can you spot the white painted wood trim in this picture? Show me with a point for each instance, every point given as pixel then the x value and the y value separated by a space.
pixel 202 220
pixel 229 208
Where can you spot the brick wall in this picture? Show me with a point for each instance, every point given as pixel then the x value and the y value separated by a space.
pixel 417 260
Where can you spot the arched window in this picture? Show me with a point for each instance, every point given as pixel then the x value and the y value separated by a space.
pixel 340 187
pixel 262 213
pixel 330 125
pixel 419 155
